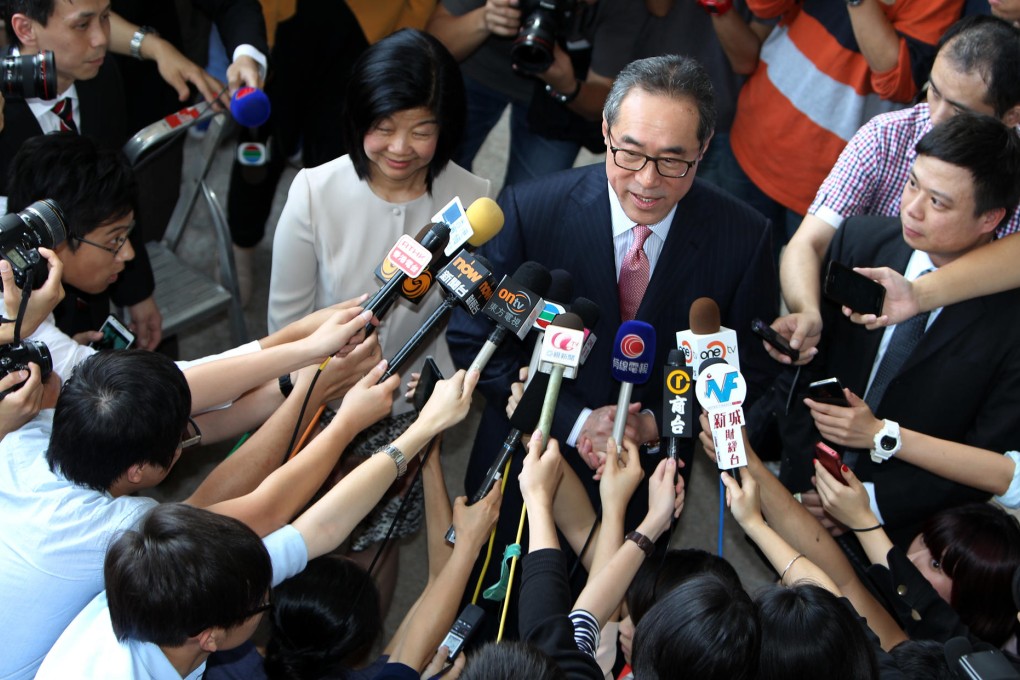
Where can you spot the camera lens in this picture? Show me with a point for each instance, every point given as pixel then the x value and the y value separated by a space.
pixel 532 51
pixel 45 220
pixel 29 76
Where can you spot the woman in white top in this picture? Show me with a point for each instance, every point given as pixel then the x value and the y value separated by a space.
pixel 405 114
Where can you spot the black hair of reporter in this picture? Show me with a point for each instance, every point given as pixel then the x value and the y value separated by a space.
pixel 511 660
pixel 313 630
pixel 700 630
pixel 807 632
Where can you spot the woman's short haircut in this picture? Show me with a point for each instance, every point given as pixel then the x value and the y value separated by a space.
pixel 406 70
pixel 324 621
pixel 978 546
pixel 182 571
pixel 91 184
pixel 806 632
pixel 118 408
pixel 701 629
pixel 655 578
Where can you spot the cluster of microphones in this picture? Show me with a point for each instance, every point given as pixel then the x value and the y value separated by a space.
pixel 534 300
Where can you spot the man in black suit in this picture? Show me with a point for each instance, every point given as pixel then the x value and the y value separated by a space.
pixel 698 241
pixel 961 379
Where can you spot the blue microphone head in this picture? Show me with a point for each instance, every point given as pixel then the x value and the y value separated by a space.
pixel 634 352
pixel 250 107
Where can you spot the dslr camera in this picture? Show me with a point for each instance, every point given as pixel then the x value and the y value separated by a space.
pixel 29 76
pixel 17 356
pixel 543 21
pixel 21 234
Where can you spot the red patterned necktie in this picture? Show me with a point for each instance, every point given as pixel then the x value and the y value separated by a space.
pixel 65 112
pixel 634 274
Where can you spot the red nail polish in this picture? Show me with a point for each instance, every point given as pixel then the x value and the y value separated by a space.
pixel 845 468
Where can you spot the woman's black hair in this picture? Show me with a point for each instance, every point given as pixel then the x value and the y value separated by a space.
pixel 406 70
pixel 806 632
pixel 701 629
pixel 978 546
pixel 315 632
pixel 655 578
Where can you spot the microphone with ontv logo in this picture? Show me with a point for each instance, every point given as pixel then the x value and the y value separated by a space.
pixel 514 307
pixel 633 356
pixel 707 340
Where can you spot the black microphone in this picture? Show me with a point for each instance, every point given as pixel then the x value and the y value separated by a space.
pixel 411 257
pixel 977 662
pixel 677 408
pixel 561 288
pixel 468 282
pixel 589 313
pixel 514 307
pixel 523 419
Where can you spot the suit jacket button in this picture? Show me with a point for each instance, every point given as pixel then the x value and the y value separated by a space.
pixel 901 590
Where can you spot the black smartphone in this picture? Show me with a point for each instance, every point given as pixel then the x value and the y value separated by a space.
pixel 465 625
pixel 430 375
pixel 828 391
pixel 115 335
pixel 769 335
pixel 850 289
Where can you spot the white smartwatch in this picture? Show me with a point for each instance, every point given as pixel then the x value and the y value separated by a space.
pixel 887 442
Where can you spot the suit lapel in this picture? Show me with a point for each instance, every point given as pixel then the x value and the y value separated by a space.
pixel 594 249
pixel 951 323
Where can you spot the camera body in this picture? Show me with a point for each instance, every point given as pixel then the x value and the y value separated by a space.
pixel 21 234
pixel 29 76
pixel 542 22
pixel 17 356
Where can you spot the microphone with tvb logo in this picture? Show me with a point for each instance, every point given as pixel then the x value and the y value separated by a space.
pixel 633 356
pixel 467 281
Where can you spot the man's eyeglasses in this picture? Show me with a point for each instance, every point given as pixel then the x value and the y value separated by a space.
pixel 117 242
pixel 265 606
pixel 192 436
pixel 673 168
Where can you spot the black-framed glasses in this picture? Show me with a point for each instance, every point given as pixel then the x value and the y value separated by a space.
pixel 192 436
pixel 119 241
pixel 264 607
pixel 635 161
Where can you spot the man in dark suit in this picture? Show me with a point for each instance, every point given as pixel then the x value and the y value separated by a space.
pixel 695 241
pixel 959 378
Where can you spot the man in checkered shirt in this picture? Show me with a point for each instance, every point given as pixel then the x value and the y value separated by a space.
pixel 974 70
